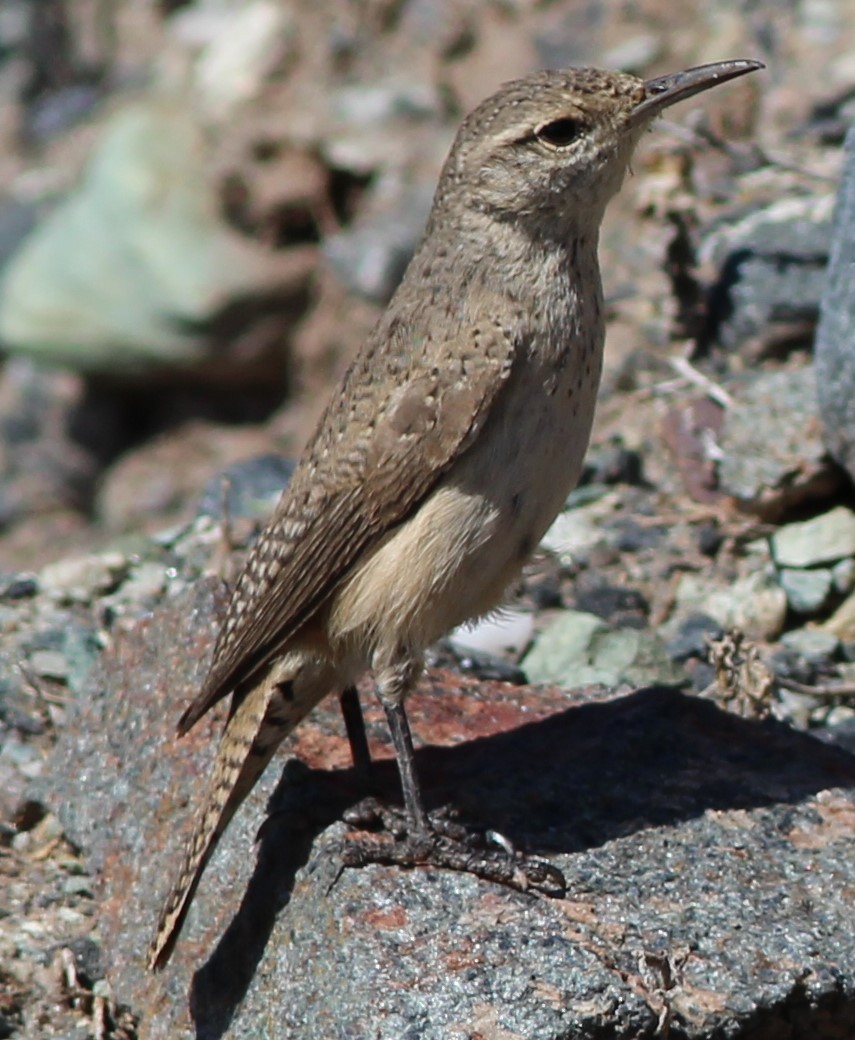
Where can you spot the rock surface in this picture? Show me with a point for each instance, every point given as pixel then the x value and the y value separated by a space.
pixel 835 334
pixel 708 861
pixel 773 458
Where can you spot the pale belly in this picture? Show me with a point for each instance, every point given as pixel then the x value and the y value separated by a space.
pixel 455 558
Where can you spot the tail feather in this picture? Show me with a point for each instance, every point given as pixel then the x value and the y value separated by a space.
pixel 258 725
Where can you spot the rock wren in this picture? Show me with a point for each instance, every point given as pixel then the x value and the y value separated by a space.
pixel 451 443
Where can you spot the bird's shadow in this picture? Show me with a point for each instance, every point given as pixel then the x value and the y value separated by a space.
pixel 566 783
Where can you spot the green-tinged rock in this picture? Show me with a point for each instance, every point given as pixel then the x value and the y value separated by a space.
pixel 773 457
pixel 582 526
pixel 812 643
pixel 823 539
pixel 755 604
pixel 807 591
pixel 580 648
pixel 125 271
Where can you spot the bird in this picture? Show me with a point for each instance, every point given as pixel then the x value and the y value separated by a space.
pixel 450 445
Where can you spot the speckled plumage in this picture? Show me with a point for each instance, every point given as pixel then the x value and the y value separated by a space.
pixel 453 440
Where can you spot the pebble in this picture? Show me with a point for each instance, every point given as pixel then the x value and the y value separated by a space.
pixel 253 486
pixel 509 632
pixel 822 539
pixel 756 603
pixel 18 586
pixel 843 575
pixel 577 530
pixel 579 648
pixel 691 637
pixel 50 663
pixel 815 645
pixel 772 455
pixel 807 591
pixel 370 257
pixel 81 578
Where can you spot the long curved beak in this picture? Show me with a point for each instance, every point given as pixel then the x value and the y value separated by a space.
pixel 663 91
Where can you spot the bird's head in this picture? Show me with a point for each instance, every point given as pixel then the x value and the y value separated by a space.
pixel 556 145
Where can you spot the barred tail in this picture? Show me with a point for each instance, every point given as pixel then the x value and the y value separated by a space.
pixel 258 725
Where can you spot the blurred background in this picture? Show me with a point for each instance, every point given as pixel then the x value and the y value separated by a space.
pixel 205 205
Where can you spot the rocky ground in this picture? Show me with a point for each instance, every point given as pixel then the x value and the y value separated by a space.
pixel 710 548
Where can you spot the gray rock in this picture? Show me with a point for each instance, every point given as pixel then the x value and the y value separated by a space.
pixel 583 524
pixel 813 644
pixel 834 349
pixel 506 633
pixel 704 855
pixel 253 487
pixel 773 457
pixel 807 591
pixel 772 265
pixel 371 256
pixel 691 638
pixel 843 573
pixel 579 648
pixel 823 539
pixel 756 604
pixel 81 578
pixel 154 261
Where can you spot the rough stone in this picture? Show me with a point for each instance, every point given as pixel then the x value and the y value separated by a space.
pixel 756 604
pixel 813 644
pixel 155 263
pixel 507 633
pixel 772 263
pixel 706 857
pixel 807 591
pixel 579 648
pixel 773 457
pixel 822 539
pixel 834 349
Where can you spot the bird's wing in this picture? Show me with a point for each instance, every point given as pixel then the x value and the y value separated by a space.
pixel 381 446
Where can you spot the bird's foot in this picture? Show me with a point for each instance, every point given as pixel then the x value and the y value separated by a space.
pixel 447 844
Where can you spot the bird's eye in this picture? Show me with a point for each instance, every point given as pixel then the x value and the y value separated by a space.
pixel 560 132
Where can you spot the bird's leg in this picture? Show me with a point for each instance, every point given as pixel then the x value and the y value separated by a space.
pixel 436 840
pixel 402 740
pixel 354 725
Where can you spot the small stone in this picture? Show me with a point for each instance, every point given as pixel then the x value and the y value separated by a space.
pixel 773 271
pixel 371 257
pixel 252 487
pixel 81 578
pixel 506 633
pixel 773 457
pixel 842 621
pixel 145 582
pixel 843 575
pixel 633 536
pixel 25 757
pixel 614 464
pixel 50 663
pixel 578 529
pixel 813 644
pixel 807 591
pixel 709 539
pixel 18 586
pixel 624 607
pixel 692 635
pixel 77 886
pixel 579 648
pixel 755 604
pixel 823 539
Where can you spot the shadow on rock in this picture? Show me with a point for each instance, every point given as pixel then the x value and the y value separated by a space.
pixel 566 783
